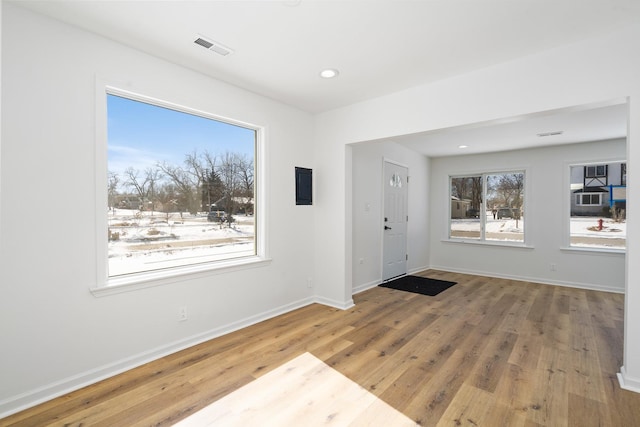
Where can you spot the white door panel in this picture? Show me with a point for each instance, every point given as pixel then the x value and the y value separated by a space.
pixel 394 241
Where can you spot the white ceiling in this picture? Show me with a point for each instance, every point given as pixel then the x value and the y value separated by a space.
pixel 578 124
pixel 379 46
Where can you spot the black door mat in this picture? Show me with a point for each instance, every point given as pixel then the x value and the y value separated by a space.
pixel 418 285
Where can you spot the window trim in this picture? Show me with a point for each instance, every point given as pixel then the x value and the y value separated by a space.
pixel 482 241
pixel 580 196
pixel 595 167
pixel 104 285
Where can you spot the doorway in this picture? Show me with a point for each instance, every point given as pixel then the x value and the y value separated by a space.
pixel 394 238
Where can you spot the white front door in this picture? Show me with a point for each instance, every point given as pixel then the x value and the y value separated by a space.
pixel 394 240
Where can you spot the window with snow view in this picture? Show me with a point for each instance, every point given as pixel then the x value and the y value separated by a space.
pixel 487 207
pixel 598 194
pixel 180 188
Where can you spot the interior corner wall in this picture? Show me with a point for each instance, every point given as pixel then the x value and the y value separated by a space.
pixel 367 207
pixel 332 257
pixel 546 217
pixel 1 6
pixel 630 372
pixel 55 334
pixel 598 69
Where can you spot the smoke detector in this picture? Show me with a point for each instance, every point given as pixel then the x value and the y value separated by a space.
pixel 214 46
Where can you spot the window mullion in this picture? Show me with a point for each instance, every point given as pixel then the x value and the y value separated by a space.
pixel 483 209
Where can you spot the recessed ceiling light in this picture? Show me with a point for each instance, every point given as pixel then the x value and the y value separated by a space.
pixel 329 73
pixel 463 146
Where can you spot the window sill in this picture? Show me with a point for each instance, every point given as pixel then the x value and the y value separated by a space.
pixel 599 251
pixel 134 282
pixel 496 243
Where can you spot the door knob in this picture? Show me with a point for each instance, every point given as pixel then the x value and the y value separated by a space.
pixel 387 228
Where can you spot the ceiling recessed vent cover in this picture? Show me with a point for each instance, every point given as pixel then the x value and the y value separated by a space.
pixel 214 46
pixel 557 132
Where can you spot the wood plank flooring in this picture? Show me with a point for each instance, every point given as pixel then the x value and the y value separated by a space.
pixel 486 352
pixel 304 388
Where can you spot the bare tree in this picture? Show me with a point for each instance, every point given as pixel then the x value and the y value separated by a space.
pixel 152 176
pixel 168 197
pixel 209 160
pixel 468 188
pixel 194 167
pixel 211 184
pixel 509 188
pixel 230 176
pixel 112 188
pixel 246 176
pixel 185 187
pixel 213 188
pixel 203 181
pixel 476 192
pixel 138 185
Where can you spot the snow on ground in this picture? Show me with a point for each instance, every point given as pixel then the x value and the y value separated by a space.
pixel 588 227
pixel 580 226
pixel 493 225
pixel 151 240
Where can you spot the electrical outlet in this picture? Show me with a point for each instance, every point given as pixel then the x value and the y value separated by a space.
pixel 554 267
pixel 182 314
pixel 309 282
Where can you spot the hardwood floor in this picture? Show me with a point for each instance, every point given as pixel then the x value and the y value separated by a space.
pixel 486 352
pixel 304 388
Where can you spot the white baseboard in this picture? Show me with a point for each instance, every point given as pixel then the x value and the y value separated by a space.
pixel 543 281
pixel 365 286
pixel 631 384
pixel 59 388
pixel 418 270
pixel 342 305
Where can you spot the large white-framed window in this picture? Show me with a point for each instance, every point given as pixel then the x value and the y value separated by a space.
pixel 597 209
pixel 179 190
pixel 488 207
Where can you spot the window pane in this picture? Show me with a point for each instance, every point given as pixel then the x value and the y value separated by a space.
pixel 598 212
pixel 505 203
pixel 180 188
pixel 466 202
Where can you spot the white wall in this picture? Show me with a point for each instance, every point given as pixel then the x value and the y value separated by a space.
pixel 546 216
pixel 55 334
pixel 596 70
pixel 367 223
pixel 1 7
pixel 547 210
pixel 60 336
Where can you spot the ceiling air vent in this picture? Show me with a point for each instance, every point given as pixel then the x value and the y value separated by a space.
pixel 214 46
pixel 557 132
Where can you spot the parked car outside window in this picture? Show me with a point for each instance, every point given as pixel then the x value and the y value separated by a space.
pixel 513 213
pixel 216 216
